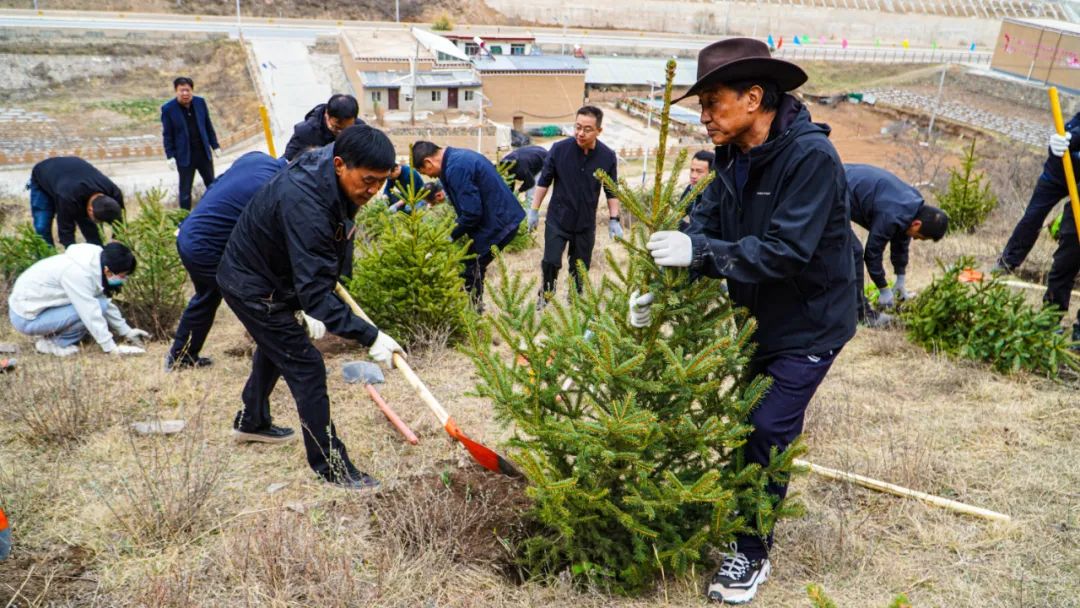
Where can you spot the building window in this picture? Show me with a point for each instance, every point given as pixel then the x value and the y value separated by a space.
pixel 496 50
pixel 517 49
pixel 376 96
pixel 469 95
pixel 436 96
pixel 471 48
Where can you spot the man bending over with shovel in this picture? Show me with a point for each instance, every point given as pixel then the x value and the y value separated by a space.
pixel 283 256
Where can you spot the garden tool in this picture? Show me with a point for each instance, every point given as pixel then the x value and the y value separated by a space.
pixel 7 364
pixel 371 374
pixel 484 456
pixel 1066 159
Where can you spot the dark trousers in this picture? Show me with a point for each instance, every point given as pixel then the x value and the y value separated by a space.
pixel 476 269
pixel 1044 198
pixel 778 421
pixel 198 317
pixel 201 163
pixel 557 240
pixel 284 350
pixel 1062 277
pixel 862 307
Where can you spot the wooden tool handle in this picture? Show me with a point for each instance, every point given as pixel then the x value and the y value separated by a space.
pixel 400 363
pixel 882 486
pixel 1066 159
pixel 391 415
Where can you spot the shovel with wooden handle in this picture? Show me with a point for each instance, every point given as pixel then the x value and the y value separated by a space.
pixel 484 456
pixel 370 375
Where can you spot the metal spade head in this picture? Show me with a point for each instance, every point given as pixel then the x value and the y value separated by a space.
pixel 363 372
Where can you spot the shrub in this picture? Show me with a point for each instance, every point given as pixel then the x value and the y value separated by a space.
pixel 409 278
pixel 818 599
pixel 523 239
pixel 968 199
pixel 56 403
pixel 631 439
pixel 153 297
pixel 19 251
pixel 442 23
pixel 988 321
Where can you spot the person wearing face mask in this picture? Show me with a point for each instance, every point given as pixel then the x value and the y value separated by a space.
pixel 285 255
pixel 61 299
pixel 571 218
pixel 322 124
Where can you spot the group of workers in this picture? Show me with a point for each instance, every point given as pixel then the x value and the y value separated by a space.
pixel 271 237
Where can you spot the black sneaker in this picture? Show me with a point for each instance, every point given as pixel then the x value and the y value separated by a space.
pixel 355 481
pixel 269 434
pixel 737 580
pixel 1075 346
pixel 185 362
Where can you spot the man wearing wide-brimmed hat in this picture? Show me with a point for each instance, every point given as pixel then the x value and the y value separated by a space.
pixel 775 224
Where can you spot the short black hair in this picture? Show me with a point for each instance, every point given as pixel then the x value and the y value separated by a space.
pixel 433 188
pixel 771 93
pixel 365 146
pixel 183 80
pixel 423 150
pixel 106 209
pixel 342 107
pixel 118 258
pixel 935 222
pixel 593 111
pixel 705 155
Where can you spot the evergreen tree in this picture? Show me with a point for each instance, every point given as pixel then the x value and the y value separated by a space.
pixel 967 200
pixel 631 439
pixel 523 239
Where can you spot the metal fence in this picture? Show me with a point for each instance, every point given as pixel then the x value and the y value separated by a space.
pixel 883 55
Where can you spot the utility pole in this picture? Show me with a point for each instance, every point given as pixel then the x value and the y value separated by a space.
pixel 397 11
pixel 239 31
pixel 937 103
pixel 412 100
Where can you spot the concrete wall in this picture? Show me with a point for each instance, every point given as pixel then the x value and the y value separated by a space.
pixel 754 19
pixel 458 137
pixel 1038 54
pixel 538 98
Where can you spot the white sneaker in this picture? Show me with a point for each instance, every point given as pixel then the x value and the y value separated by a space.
pixel 46 346
pixel 738 578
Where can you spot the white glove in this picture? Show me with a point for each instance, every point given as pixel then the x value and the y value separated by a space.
pixel 383 350
pixel 640 313
pixel 671 248
pixel 533 218
pixel 172 164
pixel 124 351
pixel 898 288
pixel 614 229
pixel 316 329
pixel 1059 144
pixel 885 297
pixel 217 152
pixel 136 336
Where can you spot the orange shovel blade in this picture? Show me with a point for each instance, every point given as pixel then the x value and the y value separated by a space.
pixel 484 456
pixel 970 275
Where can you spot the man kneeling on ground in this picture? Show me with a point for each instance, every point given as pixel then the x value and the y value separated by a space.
pixel 64 297
pixel 285 255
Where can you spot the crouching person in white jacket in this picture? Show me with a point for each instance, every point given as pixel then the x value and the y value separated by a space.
pixel 64 297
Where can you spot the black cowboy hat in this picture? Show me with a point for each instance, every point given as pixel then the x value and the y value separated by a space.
pixel 737 59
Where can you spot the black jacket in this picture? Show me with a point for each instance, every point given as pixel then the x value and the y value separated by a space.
pixel 528 161
pixel 783 242
pixel 70 182
pixel 312 131
pixel 885 205
pixel 290 243
pixel 486 209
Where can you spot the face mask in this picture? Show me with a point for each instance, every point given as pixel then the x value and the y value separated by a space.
pixel 116 282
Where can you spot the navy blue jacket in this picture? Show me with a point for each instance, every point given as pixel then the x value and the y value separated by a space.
pixel 407 175
pixel 528 162
pixel 783 239
pixel 885 205
pixel 205 232
pixel 486 209
pixel 290 243
pixel 174 130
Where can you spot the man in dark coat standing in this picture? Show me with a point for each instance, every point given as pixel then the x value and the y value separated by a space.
pixel 285 255
pixel 201 242
pixel 75 193
pixel 571 218
pixel 189 137
pixel 322 124
pixel 894 213
pixel 775 224
pixel 487 211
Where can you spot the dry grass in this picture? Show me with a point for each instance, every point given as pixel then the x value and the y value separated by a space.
pixel 888 409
